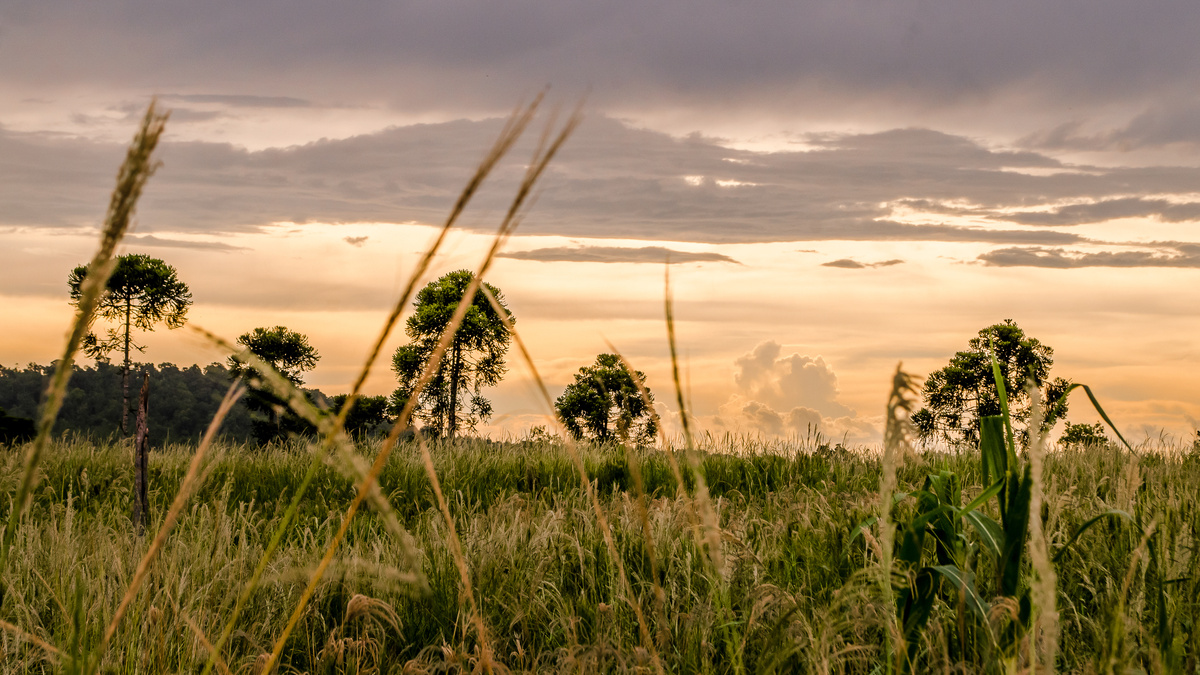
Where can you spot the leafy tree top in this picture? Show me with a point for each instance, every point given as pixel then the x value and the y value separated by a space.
pixel 604 403
pixel 958 395
pixel 473 360
pixel 141 292
pixel 286 350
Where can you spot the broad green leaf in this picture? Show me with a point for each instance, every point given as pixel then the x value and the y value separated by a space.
pixel 989 531
pixel 964 582
pixel 1002 394
pixel 994 456
pixel 1096 405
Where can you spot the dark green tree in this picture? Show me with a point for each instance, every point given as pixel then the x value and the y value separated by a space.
pixel 368 416
pixel 141 292
pixel 289 353
pixel 604 404
pixel 1083 435
pixel 474 359
pixel 964 391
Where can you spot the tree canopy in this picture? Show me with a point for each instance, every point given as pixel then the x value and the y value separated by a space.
pixel 289 353
pixel 958 395
pixel 452 399
pixel 141 293
pixel 604 404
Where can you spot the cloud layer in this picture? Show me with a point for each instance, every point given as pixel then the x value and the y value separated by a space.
pixel 611 180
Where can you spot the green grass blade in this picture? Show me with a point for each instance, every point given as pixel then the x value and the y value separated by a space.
pixel 990 532
pixel 1099 409
pixel 1111 513
pixel 1002 394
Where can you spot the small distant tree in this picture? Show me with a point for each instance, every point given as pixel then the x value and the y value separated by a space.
pixel 1083 435
pixel 452 399
pixel 141 292
pixel 964 391
pixel 289 353
pixel 605 404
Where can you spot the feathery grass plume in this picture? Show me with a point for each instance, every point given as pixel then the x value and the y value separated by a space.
pixel 332 435
pixel 1115 657
pixel 186 489
pixel 542 156
pixel 52 652
pixel 1045 580
pixel 514 127
pixel 131 178
pixel 708 514
pixel 590 489
pixel 667 450
pixel 896 445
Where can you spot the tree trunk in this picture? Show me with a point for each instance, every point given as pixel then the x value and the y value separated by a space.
pixel 141 501
pixel 452 421
pixel 125 375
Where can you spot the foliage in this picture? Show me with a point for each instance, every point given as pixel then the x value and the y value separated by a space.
pixel 368 416
pixel 1084 435
pixel 141 292
pixel 474 358
pixel 182 400
pixel 605 404
pixel 962 393
pixel 289 353
pixel 14 430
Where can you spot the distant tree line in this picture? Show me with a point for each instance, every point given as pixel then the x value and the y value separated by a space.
pixel 183 400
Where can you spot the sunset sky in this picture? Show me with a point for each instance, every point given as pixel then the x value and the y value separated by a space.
pixel 841 186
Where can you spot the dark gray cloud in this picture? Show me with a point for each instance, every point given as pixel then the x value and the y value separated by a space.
pixel 355 241
pixel 780 57
pixel 1175 255
pixel 1108 209
pixel 615 254
pixel 164 242
pixel 239 101
pixel 611 180
pixel 849 264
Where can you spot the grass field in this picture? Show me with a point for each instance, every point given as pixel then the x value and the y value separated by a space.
pixel 795 593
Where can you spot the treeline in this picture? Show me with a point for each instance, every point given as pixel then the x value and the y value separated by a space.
pixel 182 400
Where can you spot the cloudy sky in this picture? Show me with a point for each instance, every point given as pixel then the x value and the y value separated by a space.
pixel 840 186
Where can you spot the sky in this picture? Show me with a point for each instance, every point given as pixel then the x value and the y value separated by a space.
pixel 839 186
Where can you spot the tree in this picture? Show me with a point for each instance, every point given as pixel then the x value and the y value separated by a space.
pixel 964 391
pixel 1083 435
pixel 473 360
pixel 604 403
pixel 289 353
pixel 141 292
pixel 368 416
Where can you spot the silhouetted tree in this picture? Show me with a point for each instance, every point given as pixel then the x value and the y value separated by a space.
pixel 962 392
pixel 1083 435
pixel 16 430
pixel 289 353
pixel 368 416
pixel 474 359
pixel 604 403
pixel 141 292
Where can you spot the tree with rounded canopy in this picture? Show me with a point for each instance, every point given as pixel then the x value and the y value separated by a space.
pixel 604 403
pixel 141 292
pixel 289 353
pixel 964 391
pixel 474 359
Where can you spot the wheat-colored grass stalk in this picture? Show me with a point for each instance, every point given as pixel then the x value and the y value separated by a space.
pixel 896 445
pixel 186 489
pixel 137 168
pixel 542 157
pixel 1045 580
pixel 21 634
pixel 331 431
pixel 590 489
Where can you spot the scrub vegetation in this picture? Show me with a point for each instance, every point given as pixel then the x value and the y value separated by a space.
pixel 336 551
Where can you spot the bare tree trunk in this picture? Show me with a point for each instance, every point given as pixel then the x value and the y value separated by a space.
pixel 454 375
pixel 141 501
pixel 125 375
